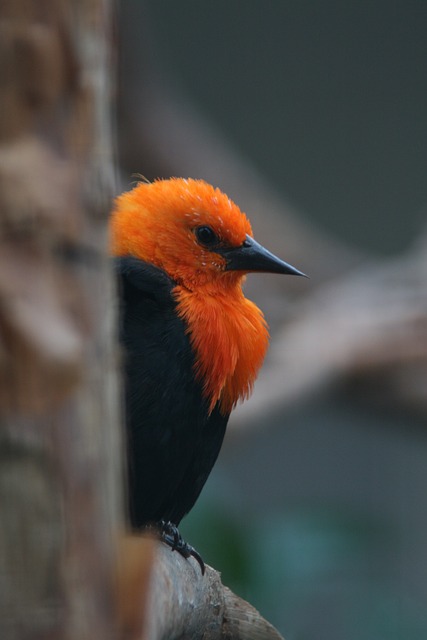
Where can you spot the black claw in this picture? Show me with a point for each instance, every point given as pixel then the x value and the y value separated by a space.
pixel 171 536
pixel 196 555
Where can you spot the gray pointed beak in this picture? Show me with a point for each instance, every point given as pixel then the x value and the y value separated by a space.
pixel 251 256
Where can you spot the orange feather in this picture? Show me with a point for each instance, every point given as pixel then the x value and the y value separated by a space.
pixel 155 222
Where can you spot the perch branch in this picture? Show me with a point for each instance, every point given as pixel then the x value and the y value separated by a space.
pixel 181 602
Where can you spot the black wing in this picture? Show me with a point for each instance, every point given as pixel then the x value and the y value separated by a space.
pixel 172 442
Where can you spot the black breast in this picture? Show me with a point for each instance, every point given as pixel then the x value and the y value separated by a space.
pixel 172 441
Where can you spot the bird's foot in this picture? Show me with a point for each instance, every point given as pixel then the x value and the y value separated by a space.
pixel 170 534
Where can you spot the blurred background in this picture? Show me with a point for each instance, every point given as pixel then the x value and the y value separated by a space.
pixel 312 116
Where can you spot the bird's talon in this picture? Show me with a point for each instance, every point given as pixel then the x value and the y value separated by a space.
pixel 170 535
pixel 196 555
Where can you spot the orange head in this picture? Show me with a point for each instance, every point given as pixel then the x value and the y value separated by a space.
pixel 191 230
pixel 166 224
pixel 204 243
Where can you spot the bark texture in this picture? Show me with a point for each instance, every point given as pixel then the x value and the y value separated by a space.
pixel 59 451
pixel 180 602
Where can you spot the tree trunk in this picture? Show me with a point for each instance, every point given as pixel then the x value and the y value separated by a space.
pixel 60 453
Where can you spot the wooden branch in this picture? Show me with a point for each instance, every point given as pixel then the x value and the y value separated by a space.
pixel 181 603
pixel 369 326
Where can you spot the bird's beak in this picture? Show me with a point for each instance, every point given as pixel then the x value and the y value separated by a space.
pixel 251 256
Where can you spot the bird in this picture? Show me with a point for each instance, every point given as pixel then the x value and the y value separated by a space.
pixel 192 342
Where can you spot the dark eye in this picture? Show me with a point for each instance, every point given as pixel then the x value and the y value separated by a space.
pixel 206 236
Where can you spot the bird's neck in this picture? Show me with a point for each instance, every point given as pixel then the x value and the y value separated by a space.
pixel 229 337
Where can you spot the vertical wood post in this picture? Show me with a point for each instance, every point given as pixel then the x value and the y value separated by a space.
pixel 60 452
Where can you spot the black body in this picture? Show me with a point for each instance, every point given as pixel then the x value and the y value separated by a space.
pixel 172 441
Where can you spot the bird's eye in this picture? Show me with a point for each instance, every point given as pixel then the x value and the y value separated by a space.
pixel 206 236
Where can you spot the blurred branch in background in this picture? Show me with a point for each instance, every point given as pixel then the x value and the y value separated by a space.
pixel 368 328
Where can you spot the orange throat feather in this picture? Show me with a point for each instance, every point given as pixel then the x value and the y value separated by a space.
pixel 229 336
